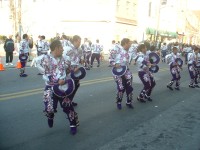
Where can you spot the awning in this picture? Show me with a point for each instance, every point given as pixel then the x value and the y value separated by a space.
pixel 172 34
pixel 150 31
pixel 161 32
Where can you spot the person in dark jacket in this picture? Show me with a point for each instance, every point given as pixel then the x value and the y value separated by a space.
pixel 9 48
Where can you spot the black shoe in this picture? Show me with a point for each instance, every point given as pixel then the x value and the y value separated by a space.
pixel 191 86
pixel 50 122
pixel 23 75
pixel 98 65
pixel 196 86
pixel 74 104
pixel 149 99
pixel 119 105
pixel 91 66
pixel 169 87
pixel 55 111
pixel 177 88
pixel 39 74
pixel 141 100
pixel 129 105
pixel 87 68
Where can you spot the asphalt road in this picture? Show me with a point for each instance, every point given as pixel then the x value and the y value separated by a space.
pixel 170 122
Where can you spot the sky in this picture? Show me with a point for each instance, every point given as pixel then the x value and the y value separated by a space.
pixel 194 4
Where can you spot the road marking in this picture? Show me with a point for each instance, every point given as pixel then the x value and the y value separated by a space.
pixel 88 82
pixel 16 93
pixel 40 90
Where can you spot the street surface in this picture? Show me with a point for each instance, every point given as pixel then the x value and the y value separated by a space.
pixel 170 122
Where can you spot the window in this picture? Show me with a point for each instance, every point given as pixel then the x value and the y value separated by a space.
pixel 163 2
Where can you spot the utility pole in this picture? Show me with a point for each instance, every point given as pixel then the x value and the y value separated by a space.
pixel 19 17
pixel 13 15
pixel 158 21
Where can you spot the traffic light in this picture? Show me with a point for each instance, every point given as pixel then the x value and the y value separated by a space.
pixel 163 2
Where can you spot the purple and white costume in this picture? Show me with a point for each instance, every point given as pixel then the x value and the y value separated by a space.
pixel 132 52
pixel 74 56
pixel 174 69
pixel 145 76
pixel 23 50
pixel 42 47
pixel 54 69
pixel 192 61
pixel 96 50
pixel 87 52
pixel 124 83
pixel 65 43
pixel 116 48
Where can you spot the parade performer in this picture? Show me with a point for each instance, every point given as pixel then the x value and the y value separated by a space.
pixel 96 50
pixel 186 50
pixel 87 52
pixel 175 64
pixel 54 68
pixel 121 73
pixel 144 64
pixel 65 41
pixel 23 54
pixel 193 66
pixel 42 46
pixel 163 51
pixel 112 53
pixel 132 51
pixel 75 56
pixel 198 69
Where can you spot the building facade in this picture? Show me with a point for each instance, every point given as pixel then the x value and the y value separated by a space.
pixel 106 20
pixel 171 21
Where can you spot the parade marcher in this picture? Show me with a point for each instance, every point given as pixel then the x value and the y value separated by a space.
pixel 64 40
pixel 23 54
pixel 37 44
pixel 86 52
pixel 42 48
pixel 30 41
pixel 57 37
pixel 175 68
pixel 192 68
pixel 96 50
pixel 110 51
pixel 132 51
pixel 124 80
pixel 198 69
pixel 75 56
pixel 144 64
pixel 54 67
pixel 163 51
pixel 9 48
pixel 187 49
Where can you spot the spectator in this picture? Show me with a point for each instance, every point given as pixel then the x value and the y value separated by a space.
pixel 9 48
